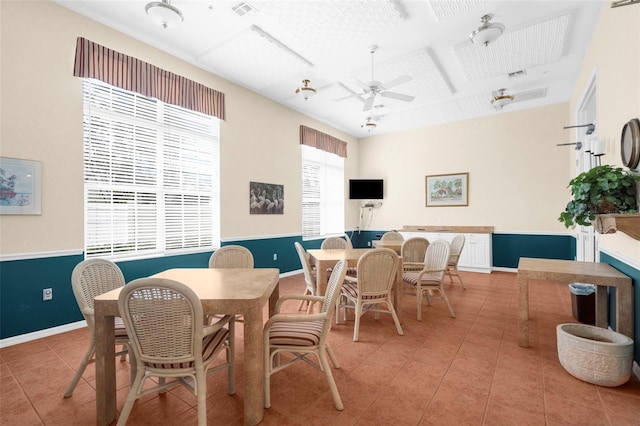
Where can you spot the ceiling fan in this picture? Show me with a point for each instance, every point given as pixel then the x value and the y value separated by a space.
pixel 375 88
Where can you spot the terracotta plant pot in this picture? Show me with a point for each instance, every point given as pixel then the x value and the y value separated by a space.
pixel 595 355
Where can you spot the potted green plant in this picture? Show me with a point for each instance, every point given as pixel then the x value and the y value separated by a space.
pixel 601 190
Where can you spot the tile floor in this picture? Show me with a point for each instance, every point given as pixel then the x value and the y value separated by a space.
pixel 463 371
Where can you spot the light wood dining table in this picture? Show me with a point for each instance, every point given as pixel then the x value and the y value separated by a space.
pixel 327 258
pixel 602 275
pixel 222 291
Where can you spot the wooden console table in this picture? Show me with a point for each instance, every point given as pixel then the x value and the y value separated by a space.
pixel 602 275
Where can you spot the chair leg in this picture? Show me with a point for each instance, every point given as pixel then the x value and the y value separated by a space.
pixel 80 370
pixel 419 303
pixel 395 316
pixel 356 325
pixel 332 384
pixel 332 357
pixel 201 384
pixel 446 299
pixel 460 278
pixel 267 371
pixel 231 353
pixel 136 386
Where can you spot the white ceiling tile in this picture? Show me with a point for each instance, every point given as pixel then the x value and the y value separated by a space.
pixel 448 8
pixel 255 57
pixel 527 47
pixel 332 24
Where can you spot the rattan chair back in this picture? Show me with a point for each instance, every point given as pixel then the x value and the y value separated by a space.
pixel 232 256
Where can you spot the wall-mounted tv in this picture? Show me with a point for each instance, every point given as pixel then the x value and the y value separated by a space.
pixel 365 189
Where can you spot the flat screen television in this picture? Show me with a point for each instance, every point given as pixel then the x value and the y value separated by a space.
pixel 365 189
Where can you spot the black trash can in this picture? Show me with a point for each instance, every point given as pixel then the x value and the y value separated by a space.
pixel 583 302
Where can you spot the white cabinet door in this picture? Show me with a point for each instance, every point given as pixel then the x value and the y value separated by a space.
pixel 476 253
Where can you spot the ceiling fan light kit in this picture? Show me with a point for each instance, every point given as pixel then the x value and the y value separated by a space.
pixel 369 124
pixel 306 91
pixel 164 13
pixel 487 32
pixel 502 99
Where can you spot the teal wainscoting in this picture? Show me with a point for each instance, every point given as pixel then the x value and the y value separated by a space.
pixel 22 309
pixel 509 248
pixel 360 239
pixel 634 274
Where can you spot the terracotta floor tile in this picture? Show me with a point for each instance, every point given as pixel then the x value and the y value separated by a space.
pixel 467 370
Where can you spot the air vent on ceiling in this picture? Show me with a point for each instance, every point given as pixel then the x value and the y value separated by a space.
pixel 516 74
pixel 243 8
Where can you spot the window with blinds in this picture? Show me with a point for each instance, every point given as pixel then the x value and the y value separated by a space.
pixel 151 175
pixel 322 193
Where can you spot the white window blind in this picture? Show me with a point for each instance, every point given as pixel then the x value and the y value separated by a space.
pixel 322 193
pixel 151 175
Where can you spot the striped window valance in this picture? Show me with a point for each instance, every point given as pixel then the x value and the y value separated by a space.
pixel 323 141
pixel 128 73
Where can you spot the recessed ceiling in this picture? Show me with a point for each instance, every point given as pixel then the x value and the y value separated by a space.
pixel 271 46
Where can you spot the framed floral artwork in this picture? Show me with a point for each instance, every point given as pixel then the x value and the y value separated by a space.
pixel 447 190
pixel 19 186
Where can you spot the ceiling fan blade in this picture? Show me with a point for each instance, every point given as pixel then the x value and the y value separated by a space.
pixel 369 103
pixel 351 96
pixel 398 96
pixel 398 81
pixel 364 86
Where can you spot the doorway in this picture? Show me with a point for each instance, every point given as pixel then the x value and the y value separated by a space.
pixel 586 238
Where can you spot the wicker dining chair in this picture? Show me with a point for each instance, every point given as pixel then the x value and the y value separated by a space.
pixel 334 243
pixel 392 237
pixel 371 288
pixel 89 279
pixel 309 276
pixel 412 252
pixel 164 319
pixel 339 243
pixel 232 256
pixel 303 335
pixel 452 268
pixel 429 280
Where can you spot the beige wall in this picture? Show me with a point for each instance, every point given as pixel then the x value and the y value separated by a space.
pixel 614 58
pixel 517 174
pixel 42 120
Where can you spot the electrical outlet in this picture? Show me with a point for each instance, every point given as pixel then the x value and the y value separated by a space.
pixel 368 243
pixel 275 256
pixel 47 293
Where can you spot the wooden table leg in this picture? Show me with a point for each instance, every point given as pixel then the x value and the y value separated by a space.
pixel 321 277
pixel 253 366
pixel 523 311
pixel 601 306
pixel 624 311
pixel 105 367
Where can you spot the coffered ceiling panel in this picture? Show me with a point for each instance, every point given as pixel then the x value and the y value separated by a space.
pixel 444 9
pixel 333 24
pixel 270 46
pixel 524 48
pixel 256 58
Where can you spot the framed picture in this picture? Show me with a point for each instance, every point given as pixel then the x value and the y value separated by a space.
pixel 266 198
pixel 447 190
pixel 19 186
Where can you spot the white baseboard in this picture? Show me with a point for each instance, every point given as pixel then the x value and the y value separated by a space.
pixel 23 338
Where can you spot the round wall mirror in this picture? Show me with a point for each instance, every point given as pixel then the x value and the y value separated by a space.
pixel 630 143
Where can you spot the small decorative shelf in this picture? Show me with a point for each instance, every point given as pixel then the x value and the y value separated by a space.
pixel 610 223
